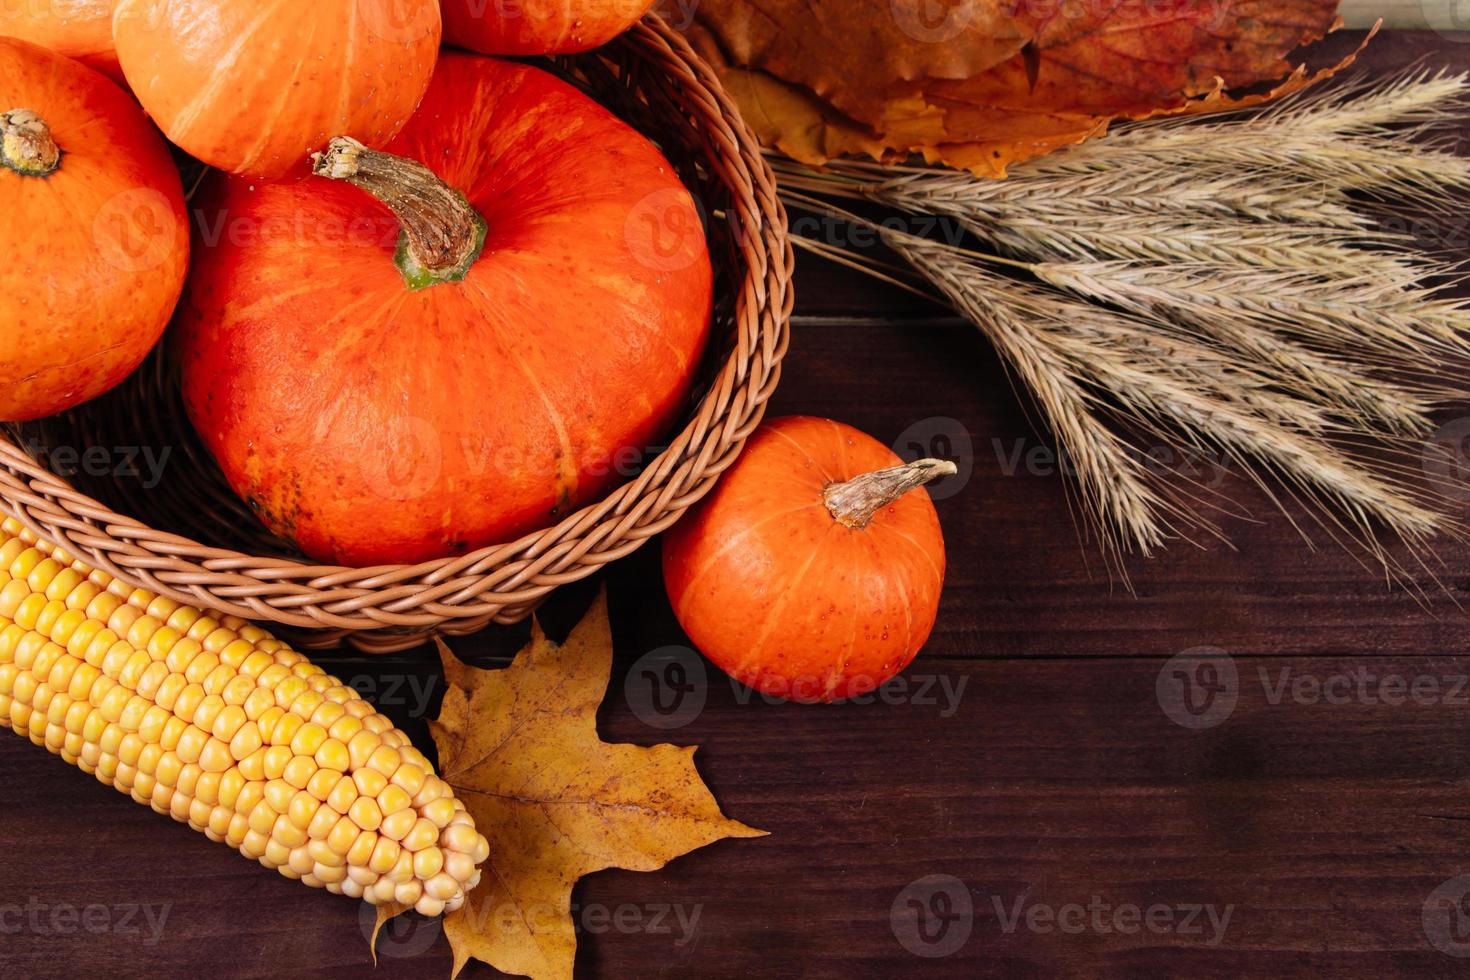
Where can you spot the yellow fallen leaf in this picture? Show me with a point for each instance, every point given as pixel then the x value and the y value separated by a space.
pixel 520 747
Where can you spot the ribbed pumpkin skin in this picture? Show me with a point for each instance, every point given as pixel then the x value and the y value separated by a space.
pixel 95 252
pixel 80 29
pixel 533 27
pixel 253 86
pixel 785 599
pixel 375 424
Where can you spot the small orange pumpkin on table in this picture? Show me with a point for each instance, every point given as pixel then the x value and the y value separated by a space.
pixel 96 239
pixel 812 572
pixel 383 395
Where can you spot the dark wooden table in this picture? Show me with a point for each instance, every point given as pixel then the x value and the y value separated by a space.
pixel 1034 799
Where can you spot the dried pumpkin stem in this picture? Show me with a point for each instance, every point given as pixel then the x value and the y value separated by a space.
pixel 442 234
pixel 26 145
pixel 854 502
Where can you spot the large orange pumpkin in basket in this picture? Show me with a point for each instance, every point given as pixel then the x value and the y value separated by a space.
pixel 252 86
pixel 395 396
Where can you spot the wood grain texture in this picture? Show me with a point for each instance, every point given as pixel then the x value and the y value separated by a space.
pixel 1034 753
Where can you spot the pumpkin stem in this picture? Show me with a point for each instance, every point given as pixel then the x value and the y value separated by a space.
pixel 854 503
pixel 26 145
pixel 442 234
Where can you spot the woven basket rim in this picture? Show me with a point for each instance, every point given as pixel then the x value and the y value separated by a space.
pixel 389 607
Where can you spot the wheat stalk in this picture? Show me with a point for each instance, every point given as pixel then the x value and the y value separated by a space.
pixel 1215 281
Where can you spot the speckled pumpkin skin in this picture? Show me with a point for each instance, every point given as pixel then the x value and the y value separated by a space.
pixel 96 251
pixel 532 27
pixel 374 424
pixel 80 29
pixel 785 599
pixel 254 86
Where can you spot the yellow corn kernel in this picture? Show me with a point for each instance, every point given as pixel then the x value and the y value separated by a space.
pixel 277 758
pixel 344 728
pixel 440 812
pixel 206 788
pixel 343 794
pixel 301 861
pixel 231 782
pixel 409 777
pixel 386 760
pixel 322 822
pixel 285 731
pixel 328 713
pixel 287 833
pixel 427 863
pixel 276 854
pixel 250 796
pixel 263 817
pixel 299 771
pixel 365 813
pixel 421 835
pixel 216 756
pixel 361 852
pixel 361 747
pixel 302 808
pixel 191 744
pixel 322 782
pixel 305 706
pixel 385 855
pixel 369 782
pixel 397 825
pixel 246 742
pixel 393 799
pixel 332 754
pixel 323 852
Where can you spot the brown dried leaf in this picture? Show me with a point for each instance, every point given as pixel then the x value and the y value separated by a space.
pixel 520 747
pixel 988 82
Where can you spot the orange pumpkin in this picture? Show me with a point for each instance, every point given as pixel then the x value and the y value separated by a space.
pixel 394 397
pixel 96 239
pixel 531 27
pixel 813 570
pixel 80 29
pixel 252 87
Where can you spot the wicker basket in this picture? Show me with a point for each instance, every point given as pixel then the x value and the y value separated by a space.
pixel 190 538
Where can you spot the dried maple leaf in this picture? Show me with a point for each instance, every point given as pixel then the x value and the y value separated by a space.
pixel 520 747
pixel 985 83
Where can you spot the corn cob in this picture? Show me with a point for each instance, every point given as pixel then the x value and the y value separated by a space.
pixel 217 724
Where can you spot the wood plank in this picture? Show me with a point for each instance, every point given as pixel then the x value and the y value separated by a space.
pixel 1046 782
